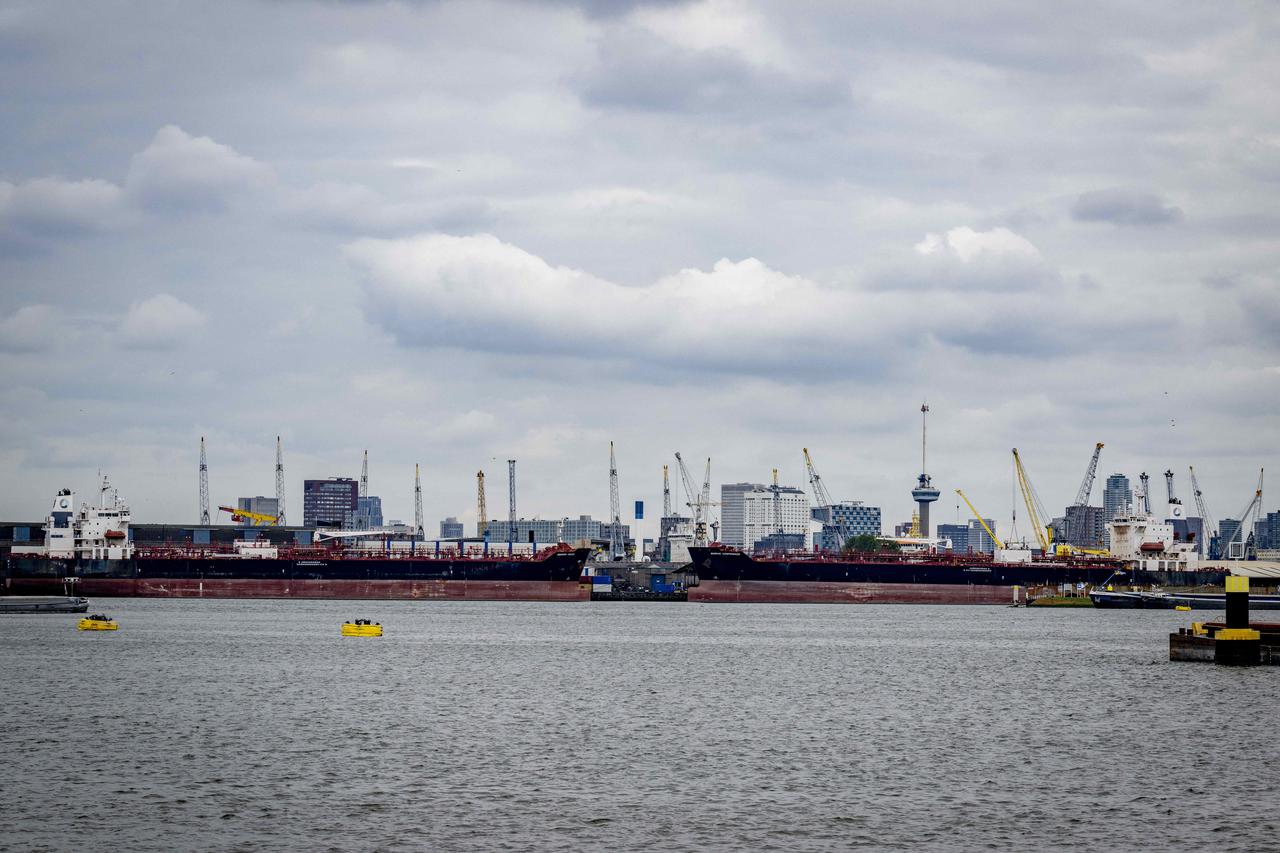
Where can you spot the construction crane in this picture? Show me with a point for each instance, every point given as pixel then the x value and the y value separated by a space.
pixel 981 520
pixel 1086 487
pixel 364 476
pixel 1035 508
pixel 257 518
pixel 279 483
pixel 1254 503
pixel 511 504
pixel 695 504
pixel 482 517
pixel 418 532
pixel 707 503
pixel 1210 526
pixel 204 485
pixel 666 493
pixel 615 510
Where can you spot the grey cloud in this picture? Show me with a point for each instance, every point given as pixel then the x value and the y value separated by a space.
pixel 52 207
pixel 32 328
pixel 1124 207
pixel 180 171
pixel 637 71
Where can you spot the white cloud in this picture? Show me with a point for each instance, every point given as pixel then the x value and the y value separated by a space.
pixel 32 328
pixel 162 322
pixel 178 170
pixel 52 206
pixel 968 245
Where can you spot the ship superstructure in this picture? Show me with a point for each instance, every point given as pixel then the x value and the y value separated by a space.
pixel 89 532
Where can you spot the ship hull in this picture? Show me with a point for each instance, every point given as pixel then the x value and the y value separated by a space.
pixel 726 575
pixel 551 578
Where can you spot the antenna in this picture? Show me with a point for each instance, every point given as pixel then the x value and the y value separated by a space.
pixel 280 483
pixel 417 499
pixel 204 485
pixel 924 437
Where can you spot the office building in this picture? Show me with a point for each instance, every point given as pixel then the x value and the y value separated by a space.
pixel 329 503
pixel 751 511
pixel 257 504
pixel 856 518
pixel 1085 526
pixel 544 530
pixel 451 528
pixel 1117 496
pixel 368 513
pixel 980 542
pixel 958 534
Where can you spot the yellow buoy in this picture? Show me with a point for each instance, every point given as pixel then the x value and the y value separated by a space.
pixel 1182 607
pixel 361 628
pixel 97 622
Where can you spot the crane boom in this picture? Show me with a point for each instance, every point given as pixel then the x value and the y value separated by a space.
pixel 1086 487
pixel 694 503
pixel 823 498
pixel 666 492
pixel 615 509
pixel 1210 527
pixel 257 518
pixel 482 516
pixel 1256 501
pixel 981 520
pixel 1035 509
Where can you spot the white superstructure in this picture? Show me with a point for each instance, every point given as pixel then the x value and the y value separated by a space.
pixel 90 532
pixel 1150 544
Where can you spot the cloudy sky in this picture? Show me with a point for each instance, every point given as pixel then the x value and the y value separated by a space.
pixel 456 233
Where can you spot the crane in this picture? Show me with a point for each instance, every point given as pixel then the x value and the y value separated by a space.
pixel 777 508
pixel 417 502
pixel 511 505
pixel 364 476
pixel 1254 502
pixel 482 518
pixel 821 496
pixel 204 485
pixel 1210 526
pixel 707 503
pixel 666 493
pixel 695 502
pixel 615 510
pixel 257 518
pixel 279 483
pixel 1035 509
pixel 981 520
pixel 1146 493
pixel 1168 486
pixel 1086 487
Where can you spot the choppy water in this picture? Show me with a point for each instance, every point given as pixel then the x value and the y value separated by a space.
pixel 251 725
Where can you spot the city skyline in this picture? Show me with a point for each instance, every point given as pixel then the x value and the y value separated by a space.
pixel 455 233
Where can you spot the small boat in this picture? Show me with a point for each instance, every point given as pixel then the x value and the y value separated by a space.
pixel 43 604
pixel 361 628
pixel 98 622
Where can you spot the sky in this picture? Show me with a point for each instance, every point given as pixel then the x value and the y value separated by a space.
pixel 458 233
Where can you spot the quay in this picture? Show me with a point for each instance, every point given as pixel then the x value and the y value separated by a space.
pixel 1232 642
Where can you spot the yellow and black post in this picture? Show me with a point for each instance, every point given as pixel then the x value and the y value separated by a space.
pixel 1237 644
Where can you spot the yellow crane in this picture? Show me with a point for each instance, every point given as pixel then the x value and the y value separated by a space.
pixel 257 518
pixel 1035 509
pixel 981 520
pixel 482 517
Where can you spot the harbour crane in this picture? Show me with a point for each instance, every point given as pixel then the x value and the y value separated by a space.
pixel 511 505
pixel 981 520
pixel 615 510
pixel 482 518
pixel 279 483
pixel 1086 487
pixel 364 476
pixel 697 500
pixel 777 508
pixel 1146 492
pixel 258 518
pixel 1210 526
pixel 204 485
pixel 1168 487
pixel 418 532
pixel 666 493
pixel 1255 503
pixel 821 496
pixel 1035 508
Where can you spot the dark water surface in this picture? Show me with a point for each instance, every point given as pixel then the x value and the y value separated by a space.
pixel 251 725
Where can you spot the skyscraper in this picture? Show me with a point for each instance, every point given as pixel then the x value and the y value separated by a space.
pixel 1117 496
pixel 329 503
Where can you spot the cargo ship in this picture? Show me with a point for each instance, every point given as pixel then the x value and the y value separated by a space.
pixel 89 549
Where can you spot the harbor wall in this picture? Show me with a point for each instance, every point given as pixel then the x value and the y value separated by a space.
pixel 817 592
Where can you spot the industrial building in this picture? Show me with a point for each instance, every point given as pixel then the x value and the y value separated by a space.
pixel 749 512
pixel 329 503
pixel 854 517
pixel 258 505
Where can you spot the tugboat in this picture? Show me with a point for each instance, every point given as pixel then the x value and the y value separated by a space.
pixel 361 628
pixel 98 622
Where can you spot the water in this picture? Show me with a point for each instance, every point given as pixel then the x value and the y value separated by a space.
pixel 251 725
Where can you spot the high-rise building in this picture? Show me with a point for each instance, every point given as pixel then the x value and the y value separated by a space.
pixel 751 511
pixel 451 528
pixel 980 542
pixel 368 513
pixel 257 504
pixel 1117 496
pixel 1230 538
pixel 329 503
pixel 1085 526
pixel 958 534
pixel 857 519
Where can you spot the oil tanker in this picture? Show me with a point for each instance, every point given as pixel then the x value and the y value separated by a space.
pixel 88 550
pixel 726 574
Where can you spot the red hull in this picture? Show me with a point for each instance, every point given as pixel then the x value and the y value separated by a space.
pixel 803 592
pixel 468 590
